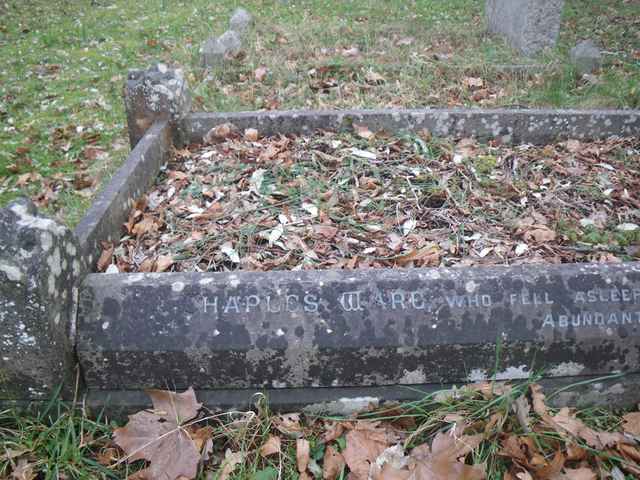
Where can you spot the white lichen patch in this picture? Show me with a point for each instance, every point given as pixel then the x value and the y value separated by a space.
pixel 413 377
pixel 55 269
pixel 41 223
pixel 23 336
pixel 343 406
pixel 511 373
pixel 514 373
pixel 13 273
pixel 566 369
pixel 46 241
pixel 177 286
pixel 477 375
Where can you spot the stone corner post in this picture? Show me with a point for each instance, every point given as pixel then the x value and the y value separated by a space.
pixel 530 26
pixel 40 269
pixel 158 93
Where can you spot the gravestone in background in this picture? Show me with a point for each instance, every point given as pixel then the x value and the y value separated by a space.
pixel 530 26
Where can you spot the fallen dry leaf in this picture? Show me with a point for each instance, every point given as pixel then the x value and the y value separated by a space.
pixel 551 469
pixel 539 234
pixel 24 470
pixel 631 423
pixel 577 474
pixel 220 133
pixel 289 424
pixel 157 436
pixel 566 422
pixel 251 134
pixel 260 73
pixel 163 263
pixel 374 78
pixel 229 464
pixel 105 257
pixel 271 446
pixel 363 445
pixel 442 459
pixel 363 131
pixel 303 452
pixel 333 463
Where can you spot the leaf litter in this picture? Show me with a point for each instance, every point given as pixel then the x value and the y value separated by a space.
pixel 368 199
pixel 476 431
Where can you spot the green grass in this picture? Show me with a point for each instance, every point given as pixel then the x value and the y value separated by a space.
pixel 63 64
pixel 63 442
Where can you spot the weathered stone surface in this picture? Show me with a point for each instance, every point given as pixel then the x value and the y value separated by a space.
pixel 586 56
pixel 215 50
pixel 508 125
pixel 158 93
pixel 103 222
pixel 357 329
pixel 240 20
pixel 40 270
pixel 529 25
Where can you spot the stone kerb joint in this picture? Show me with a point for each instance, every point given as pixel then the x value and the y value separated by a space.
pixel 40 271
pixel 158 93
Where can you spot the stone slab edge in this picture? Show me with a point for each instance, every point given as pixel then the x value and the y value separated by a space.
pixel 535 126
pixel 612 391
pixel 103 222
pixel 125 341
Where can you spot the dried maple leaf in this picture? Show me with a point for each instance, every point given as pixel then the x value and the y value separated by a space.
pixel 158 436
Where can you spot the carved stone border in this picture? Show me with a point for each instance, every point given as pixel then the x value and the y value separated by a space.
pixel 104 220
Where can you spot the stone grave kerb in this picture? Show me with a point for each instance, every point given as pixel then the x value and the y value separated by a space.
pixel 157 93
pixel 40 271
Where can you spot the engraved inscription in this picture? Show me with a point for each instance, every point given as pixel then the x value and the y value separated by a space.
pixel 582 312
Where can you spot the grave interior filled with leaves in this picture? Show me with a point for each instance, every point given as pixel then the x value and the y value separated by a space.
pixel 488 430
pixel 369 199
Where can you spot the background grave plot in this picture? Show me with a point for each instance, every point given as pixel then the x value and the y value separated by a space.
pixel 307 337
